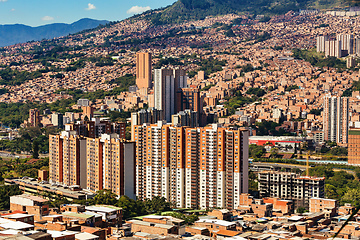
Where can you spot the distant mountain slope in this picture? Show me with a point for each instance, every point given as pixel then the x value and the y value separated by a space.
pixel 199 9
pixel 18 33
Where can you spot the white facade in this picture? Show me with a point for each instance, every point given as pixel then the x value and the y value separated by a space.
pixel 333 48
pixel 336 119
pixel 320 43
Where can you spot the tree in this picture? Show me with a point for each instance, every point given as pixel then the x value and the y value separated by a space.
pixel 274 152
pixel 105 196
pixel 6 192
pixel 35 149
pixel 131 208
pixel 339 151
pixel 301 210
pixel 188 219
pixel 256 151
pixel 157 205
pixel 330 191
pixel 230 33
pixel 352 196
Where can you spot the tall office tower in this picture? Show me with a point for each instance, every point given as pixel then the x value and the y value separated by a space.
pixel 107 162
pixel 164 92
pixel 347 42
pixel 167 84
pixel 180 78
pixel 67 161
pixel 194 167
pixel 354 146
pixel 336 119
pixel 333 48
pixel 143 70
pixel 320 43
pixel 34 117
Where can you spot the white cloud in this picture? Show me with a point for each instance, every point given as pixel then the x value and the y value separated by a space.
pixel 3 0
pixel 137 10
pixel 13 9
pixel 47 18
pixel 90 7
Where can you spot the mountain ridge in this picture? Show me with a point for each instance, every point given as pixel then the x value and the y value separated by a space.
pixel 20 33
pixel 183 10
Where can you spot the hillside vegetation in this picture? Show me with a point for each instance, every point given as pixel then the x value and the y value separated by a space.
pixel 199 9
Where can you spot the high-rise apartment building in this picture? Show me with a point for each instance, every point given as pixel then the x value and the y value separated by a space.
pixel 57 120
pixel 143 70
pixel 354 146
pixel 320 43
pixel 34 117
pixel 145 116
pixel 189 98
pixel 350 62
pixel 336 119
pixel 67 156
pixel 107 162
pixel 333 48
pixel 185 118
pixel 347 42
pixel 111 165
pixel 96 127
pixel 287 185
pixel 167 82
pixel 194 167
pixel 357 46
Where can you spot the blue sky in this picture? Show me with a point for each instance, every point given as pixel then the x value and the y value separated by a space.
pixel 40 12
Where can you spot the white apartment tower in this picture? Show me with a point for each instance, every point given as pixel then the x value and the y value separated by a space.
pixel 336 119
pixel 320 43
pixel 347 42
pixel 357 46
pixel 333 48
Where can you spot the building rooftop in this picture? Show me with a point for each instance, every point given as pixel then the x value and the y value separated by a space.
pixel 17 215
pixel 76 215
pixel 227 233
pixel 33 198
pixel 32 183
pixel 85 236
pixel 55 234
pixel 102 208
pixel 17 225
pixel 218 222
pixel 158 225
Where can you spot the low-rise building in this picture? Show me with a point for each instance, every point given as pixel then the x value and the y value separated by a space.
pixel 34 205
pixel 111 215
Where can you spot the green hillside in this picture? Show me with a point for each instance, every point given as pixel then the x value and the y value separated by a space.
pixel 199 9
